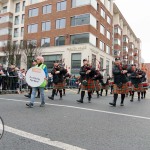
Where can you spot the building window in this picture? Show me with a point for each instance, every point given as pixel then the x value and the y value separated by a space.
pixel 59 41
pixel 75 63
pixel 93 60
pixel 47 9
pixel 107 49
pixel 17 9
pixel 49 60
pixel 108 20
pixel 33 28
pixel 102 29
pixel 80 20
pixel 22 20
pixel 3 43
pixel 108 35
pixel 33 12
pixel 46 26
pixel 80 38
pixel 101 63
pixel 16 32
pixel 61 5
pixel 125 39
pixel 32 43
pixel 77 3
pixel 23 5
pixel 131 46
pixel 4 9
pixel 16 20
pixel 125 48
pixel 5 31
pixel 102 46
pixel 117 41
pixel 45 42
pixel 60 23
pixel 107 66
pixel 102 13
pixel 117 30
pixel 22 31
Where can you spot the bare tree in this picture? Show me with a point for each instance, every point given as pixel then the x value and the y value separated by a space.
pixel 11 51
pixel 29 51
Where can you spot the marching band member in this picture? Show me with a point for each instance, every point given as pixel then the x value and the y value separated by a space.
pixel 40 61
pixel 97 78
pixel 87 73
pixel 136 80
pixel 58 73
pixel 67 75
pixel 120 82
pixel 105 81
pixel 145 85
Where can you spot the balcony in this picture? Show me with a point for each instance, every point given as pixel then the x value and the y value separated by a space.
pixel 135 58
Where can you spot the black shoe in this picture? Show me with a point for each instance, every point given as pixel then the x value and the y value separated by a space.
pixel 121 104
pixel 30 105
pixel 80 101
pixel 37 97
pixel 131 100
pixel 141 97
pixel 50 97
pixel 112 104
pixel 60 98
pixel 42 104
pixel 28 96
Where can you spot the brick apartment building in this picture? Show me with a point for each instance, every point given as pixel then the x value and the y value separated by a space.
pixel 71 30
pixel 126 44
pixel 12 13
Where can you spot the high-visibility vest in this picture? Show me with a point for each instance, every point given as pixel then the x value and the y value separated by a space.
pixel 42 66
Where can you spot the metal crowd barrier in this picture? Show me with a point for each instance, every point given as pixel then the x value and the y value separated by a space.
pixel 12 84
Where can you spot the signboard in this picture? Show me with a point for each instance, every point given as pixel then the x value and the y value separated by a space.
pixel 35 77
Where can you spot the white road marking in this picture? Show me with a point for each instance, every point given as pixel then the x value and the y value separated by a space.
pixel 87 109
pixel 40 139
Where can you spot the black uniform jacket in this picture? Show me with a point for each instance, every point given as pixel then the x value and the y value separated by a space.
pixel 118 76
pixel 58 78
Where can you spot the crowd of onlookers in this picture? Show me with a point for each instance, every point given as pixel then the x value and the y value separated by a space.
pixel 13 79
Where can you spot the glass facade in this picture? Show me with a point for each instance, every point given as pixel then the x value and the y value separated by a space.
pixel 59 41
pixel 80 20
pixel 80 38
pixel 47 9
pixel 75 63
pixel 45 42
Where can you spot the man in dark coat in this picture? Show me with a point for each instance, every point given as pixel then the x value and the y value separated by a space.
pixel 120 82
pixel 86 75
pixel 136 80
pixel 58 73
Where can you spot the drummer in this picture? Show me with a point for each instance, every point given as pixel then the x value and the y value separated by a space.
pixel 145 85
pixel 40 61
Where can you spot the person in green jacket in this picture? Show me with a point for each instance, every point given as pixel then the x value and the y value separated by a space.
pixel 40 64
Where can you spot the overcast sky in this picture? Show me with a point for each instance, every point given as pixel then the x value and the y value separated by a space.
pixel 137 14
